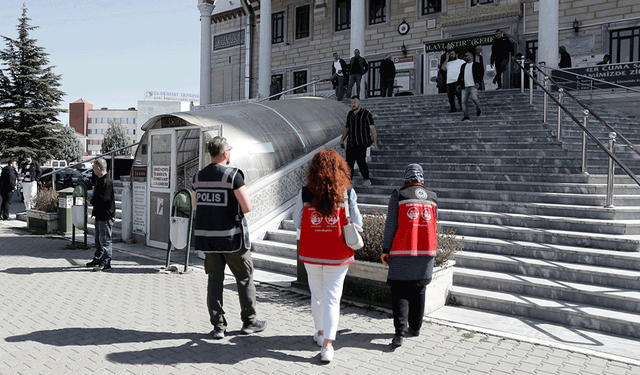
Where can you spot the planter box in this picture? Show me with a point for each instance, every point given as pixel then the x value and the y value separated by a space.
pixel 367 282
pixel 42 222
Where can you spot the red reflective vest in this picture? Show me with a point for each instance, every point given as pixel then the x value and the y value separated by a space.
pixel 417 217
pixel 321 239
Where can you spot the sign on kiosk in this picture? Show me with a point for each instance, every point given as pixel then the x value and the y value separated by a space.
pixel 160 177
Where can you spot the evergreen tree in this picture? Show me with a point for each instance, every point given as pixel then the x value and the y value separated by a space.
pixel 115 138
pixel 29 97
pixel 72 149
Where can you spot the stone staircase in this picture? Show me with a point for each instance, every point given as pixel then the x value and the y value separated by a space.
pixel 538 241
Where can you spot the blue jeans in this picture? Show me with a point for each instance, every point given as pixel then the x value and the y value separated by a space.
pixel 103 241
pixel 470 92
pixel 354 79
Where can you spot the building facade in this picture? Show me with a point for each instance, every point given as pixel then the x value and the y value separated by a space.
pixel 240 53
pixel 98 123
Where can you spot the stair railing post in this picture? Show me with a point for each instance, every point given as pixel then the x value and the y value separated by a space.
pixel 560 95
pixel 546 100
pixel 314 89
pixel 522 76
pixel 584 142
pixel 610 171
pixel 531 85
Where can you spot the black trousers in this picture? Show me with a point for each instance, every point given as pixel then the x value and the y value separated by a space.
pixel 6 203
pixel 358 154
pixel 407 303
pixel 386 87
pixel 241 265
pixel 452 92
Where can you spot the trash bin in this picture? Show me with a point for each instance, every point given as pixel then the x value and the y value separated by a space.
pixel 65 202
pixel 180 225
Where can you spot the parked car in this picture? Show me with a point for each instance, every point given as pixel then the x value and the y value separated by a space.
pixel 71 177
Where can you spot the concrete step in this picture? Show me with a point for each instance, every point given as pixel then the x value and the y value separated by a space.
pixel 568 313
pixel 596 200
pixel 277 264
pixel 429 165
pixel 279 235
pixel 551 236
pixel 588 294
pixel 587 225
pixel 275 248
pixel 552 252
pixel 552 270
pixel 383 183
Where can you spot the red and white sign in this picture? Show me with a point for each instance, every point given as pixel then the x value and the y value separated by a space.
pixel 405 62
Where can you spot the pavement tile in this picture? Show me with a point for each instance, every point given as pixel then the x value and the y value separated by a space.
pixel 138 319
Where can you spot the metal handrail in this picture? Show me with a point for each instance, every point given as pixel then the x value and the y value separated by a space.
pixel 591 112
pixel 53 172
pixel 296 88
pixel 584 129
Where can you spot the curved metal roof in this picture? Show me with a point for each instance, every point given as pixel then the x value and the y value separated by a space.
pixel 265 135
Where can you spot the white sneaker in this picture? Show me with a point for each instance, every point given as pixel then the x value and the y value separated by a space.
pixel 366 183
pixel 318 338
pixel 326 355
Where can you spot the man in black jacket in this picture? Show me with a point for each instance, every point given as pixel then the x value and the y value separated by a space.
pixel 358 67
pixel 500 52
pixel 338 74
pixel 8 184
pixel 469 81
pixel 387 76
pixel 104 212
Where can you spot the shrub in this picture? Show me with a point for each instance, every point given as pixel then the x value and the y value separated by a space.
pixel 373 235
pixel 46 200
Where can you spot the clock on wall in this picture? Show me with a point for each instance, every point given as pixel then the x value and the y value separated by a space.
pixel 403 28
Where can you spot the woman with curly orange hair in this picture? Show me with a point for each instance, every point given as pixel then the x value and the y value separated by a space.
pixel 320 214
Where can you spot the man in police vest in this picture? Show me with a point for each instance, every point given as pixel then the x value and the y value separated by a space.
pixel 409 249
pixel 220 199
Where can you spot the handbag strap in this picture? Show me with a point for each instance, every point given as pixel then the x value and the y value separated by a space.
pixel 347 199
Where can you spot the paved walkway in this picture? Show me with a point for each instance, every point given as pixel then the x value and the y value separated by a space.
pixel 60 318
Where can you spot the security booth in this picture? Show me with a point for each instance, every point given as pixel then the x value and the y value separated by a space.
pixel 265 136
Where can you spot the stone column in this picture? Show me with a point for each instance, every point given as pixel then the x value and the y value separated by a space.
pixel 358 18
pixel 205 52
pixel 548 33
pixel 264 53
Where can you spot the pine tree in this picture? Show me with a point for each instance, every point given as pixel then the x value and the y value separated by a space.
pixel 29 97
pixel 115 138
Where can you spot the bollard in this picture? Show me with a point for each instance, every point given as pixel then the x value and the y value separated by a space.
pixel 610 171
pixel 546 100
pixel 531 84
pixel 584 142
pixel 560 94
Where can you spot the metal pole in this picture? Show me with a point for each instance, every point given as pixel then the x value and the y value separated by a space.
pixel 546 100
pixel 522 76
pixel 531 84
pixel 610 172
pixel 314 94
pixel 584 142
pixel 560 94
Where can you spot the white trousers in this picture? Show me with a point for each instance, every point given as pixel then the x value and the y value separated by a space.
pixel 29 192
pixel 326 284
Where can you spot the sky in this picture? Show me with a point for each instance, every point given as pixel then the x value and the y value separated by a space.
pixel 109 52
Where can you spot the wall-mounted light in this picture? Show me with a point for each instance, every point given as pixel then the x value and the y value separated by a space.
pixel 576 25
pixel 404 49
